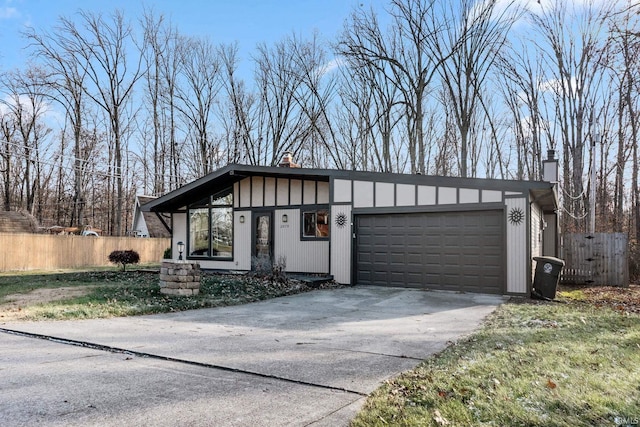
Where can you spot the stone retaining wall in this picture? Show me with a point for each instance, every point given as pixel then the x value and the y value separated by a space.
pixel 180 278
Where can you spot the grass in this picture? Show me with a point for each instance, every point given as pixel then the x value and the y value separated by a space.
pixel 114 293
pixel 531 364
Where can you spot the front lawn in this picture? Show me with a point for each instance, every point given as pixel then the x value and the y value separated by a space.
pixel 115 293
pixel 568 363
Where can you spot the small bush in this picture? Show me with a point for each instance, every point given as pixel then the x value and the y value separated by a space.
pixel 124 258
pixel 264 268
pixel 167 254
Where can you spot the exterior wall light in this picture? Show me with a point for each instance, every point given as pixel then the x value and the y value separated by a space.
pixel 285 218
pixel 241 219
pixel 180 250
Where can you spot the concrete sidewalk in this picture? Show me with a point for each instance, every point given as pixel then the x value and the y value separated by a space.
pixel 301 360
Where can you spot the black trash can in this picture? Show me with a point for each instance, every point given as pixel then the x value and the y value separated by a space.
pixel 545 281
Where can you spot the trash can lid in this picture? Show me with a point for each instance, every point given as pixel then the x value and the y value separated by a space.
pixel 552 260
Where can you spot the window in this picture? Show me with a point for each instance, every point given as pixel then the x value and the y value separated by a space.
pixel 315 224
pixel 211 227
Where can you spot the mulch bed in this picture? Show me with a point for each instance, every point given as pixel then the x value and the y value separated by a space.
pixel 621 299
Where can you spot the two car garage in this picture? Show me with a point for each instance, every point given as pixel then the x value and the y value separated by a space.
pixel 458 251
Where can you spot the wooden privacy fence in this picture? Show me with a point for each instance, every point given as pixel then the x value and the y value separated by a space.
pixel 43 252
pixel 595 259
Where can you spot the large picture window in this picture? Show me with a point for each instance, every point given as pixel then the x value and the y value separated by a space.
pixel 315 223
pixel 211 227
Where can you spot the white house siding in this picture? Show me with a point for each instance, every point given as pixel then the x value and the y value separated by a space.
pixel 282 192
pixel 447 195
pixel 269 191
pixel 309 193
pixel 179 232
pixel 490 196
pixel 469 195
pixel 307 256
pixel 341 244
pixel 517 259
pixel 536 235
pixel 405 195
pixel 384 194
pixel 257 191
pixel 426 195
pixel 245 193
pixel 295 192
pixel 341 191
pixel 536 230
pixel 362 194
pixel 323 192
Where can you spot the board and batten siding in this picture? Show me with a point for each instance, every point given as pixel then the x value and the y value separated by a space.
pixel 518 262
pixel 369 194
pixel 341 233
pixel 261 192
pixel 308 256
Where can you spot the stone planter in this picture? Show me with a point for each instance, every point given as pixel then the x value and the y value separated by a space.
pixel 180 278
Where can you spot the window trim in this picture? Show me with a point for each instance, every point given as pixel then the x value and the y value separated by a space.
pixel 210 206
pixel 315 209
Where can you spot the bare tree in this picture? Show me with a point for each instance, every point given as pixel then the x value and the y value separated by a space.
pixel 520 74
pixel 406 55
pixel 66 79
pixel 8 132
pixel 574 60
pixel 26 104
pixel 102 45
pixel 200 71
pixel 468 48
pixel 238 111
pixel 282 125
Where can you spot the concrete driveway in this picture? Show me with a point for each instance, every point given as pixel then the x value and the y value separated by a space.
pixel 307 359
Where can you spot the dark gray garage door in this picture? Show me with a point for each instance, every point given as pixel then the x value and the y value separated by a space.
pixel 458 251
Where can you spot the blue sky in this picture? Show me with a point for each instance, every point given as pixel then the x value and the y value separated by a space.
pixel 246 21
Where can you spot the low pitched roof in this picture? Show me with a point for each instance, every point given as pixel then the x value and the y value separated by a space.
pixel 541 191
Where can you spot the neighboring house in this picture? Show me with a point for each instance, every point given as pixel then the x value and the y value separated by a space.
pixel 365 228
pixel 17 222
pixel 149 224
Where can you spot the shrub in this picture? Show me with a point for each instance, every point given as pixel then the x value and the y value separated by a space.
pixel 124 258
pixel 272 271
pixel 167 254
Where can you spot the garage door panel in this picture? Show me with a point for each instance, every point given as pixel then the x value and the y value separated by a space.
pixel 460 251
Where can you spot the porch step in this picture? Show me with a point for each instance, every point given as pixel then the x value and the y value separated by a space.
pixel 313 281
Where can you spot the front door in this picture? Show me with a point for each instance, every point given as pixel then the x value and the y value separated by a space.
pixel 262 249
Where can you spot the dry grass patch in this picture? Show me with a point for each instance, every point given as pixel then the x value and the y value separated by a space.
pixel 114 293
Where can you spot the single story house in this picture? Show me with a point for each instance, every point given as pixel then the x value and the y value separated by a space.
pixel 367 228
pixel 146 224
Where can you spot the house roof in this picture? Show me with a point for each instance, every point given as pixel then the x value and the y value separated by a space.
pixel 17 222
pixel 540 191
pixel 154 225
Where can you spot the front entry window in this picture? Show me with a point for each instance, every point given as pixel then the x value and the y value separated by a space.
pixel 211 227
pixel 263 237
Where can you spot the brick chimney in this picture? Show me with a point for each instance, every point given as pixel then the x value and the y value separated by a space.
pixel 287 160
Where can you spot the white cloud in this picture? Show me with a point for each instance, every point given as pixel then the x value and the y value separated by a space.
pixel 7 11
pixel 330 66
